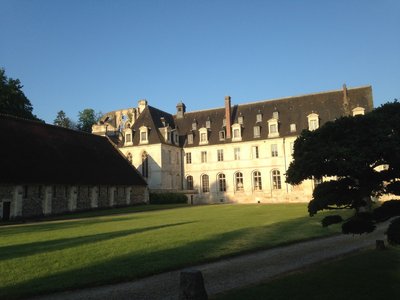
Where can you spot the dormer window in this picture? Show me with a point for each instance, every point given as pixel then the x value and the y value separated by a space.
pixel 259 117
pixel 237 132
pixel 275 115
pixel 144 135
pixel 222 135
pixel 313 121
pixel 292 127
pixel 194 125
pixel 256 131
pixel 273 129
pixel 240 120
pixel 128 136
pixel 358 111
pixel 190 138
pixel 203 136
pixel 176 138
pixel 223 122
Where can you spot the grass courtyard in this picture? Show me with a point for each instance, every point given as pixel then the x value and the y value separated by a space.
pixel 114 246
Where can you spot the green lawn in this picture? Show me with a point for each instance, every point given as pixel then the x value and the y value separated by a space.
pixel 56 255
pixel 369 275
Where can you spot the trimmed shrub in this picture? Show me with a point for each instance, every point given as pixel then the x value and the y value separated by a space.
pixel 387 210
pixel 359 224
pixel 329 220
pixel 393 232
pixel 167 198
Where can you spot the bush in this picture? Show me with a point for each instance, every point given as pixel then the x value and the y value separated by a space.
pixel 393 232
pixel 387 210
pixel 167 198
pixel 360 223
pixel 329 220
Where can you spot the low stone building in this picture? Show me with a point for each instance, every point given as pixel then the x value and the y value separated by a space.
pixel 235 153
pixel 46 169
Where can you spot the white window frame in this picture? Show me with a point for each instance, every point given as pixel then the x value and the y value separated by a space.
pixel 203 157
pixel 358 111
pixel 144 132
pixel 274 150
pixel 188 157
pixel 220 154
pixel 273 128
pixel 190 138
pixel 236 132
pixel 313 121
pixel 293 127
pixel 257 131
pixel 236 153
pixel 203 132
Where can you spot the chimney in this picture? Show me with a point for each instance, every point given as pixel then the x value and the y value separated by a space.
pixel 345 99
pixel 142 105
pixel 228 116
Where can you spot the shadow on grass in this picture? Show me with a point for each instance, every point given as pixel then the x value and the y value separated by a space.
pixel 20 250
pixel 101 212
pixel 137 265
pixel 59 225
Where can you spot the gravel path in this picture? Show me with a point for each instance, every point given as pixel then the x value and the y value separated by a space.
pixel 235 272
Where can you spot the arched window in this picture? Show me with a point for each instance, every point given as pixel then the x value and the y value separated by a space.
pixel 257 181
pixel 276 180
pixel 189 182
pixel 221 182
pixel 129 157
pixel 238 181
pixel 145 165
pixel 205 183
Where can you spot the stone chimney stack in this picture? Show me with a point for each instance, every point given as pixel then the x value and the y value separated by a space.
pixel 142 105
pixel 228 116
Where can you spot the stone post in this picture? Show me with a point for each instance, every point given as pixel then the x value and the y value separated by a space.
pixel 192 286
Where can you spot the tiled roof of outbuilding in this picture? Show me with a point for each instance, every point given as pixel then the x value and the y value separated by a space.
pixel 38 153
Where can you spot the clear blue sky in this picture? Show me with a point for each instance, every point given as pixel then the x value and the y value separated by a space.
pixel 106 55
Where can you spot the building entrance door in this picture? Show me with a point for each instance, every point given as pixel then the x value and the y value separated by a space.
pixel 6 210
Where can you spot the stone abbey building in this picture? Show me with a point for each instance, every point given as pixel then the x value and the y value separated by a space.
pixel 46 169
pixel 235 153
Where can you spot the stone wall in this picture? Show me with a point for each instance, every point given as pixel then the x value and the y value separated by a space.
pixel 39 200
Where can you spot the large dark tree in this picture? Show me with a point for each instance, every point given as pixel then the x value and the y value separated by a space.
pixel 12 99
pixel 360 157
pixel 86 119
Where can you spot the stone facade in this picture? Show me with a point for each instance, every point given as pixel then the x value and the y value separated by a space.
pixel 236 153
pixel 39 200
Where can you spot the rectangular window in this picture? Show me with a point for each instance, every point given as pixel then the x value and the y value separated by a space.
pixel 313 124
pixel 203 156
pixel 220 153
pixel 273 128
pixel 240 120
pixel 128 138
pixel 224 122
pixel 143 136
pixel 259 118
pixel 275 115
pixel 190 139
pixel 274 150
pixel 208 124
pixel 237 153
pixel 256 131
pixel 222 135
pixel 292 127
pixel 169 156
pixel 194 126
pixel 236 133
pixel 203 137
pixel 255 152
pixel 189 158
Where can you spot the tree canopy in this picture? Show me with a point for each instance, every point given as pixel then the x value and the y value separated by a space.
pixel 359 156
pixel 63 121
pixel 86 118
pixel 13 100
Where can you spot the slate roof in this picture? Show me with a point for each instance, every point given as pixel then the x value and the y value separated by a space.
pixel 292 110
pixel 37 153
pixel 328 105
